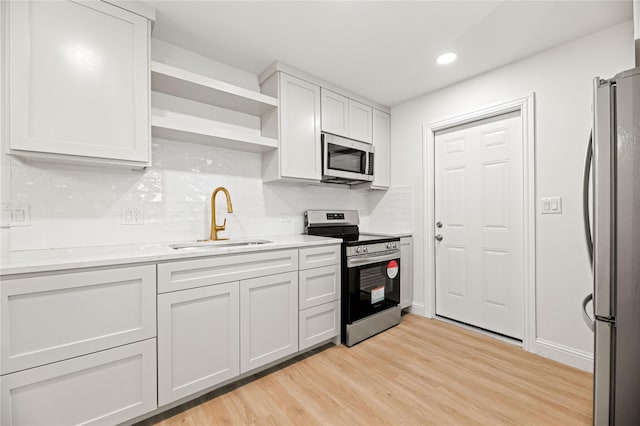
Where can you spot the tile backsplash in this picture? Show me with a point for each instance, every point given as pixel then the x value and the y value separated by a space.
pixel 78 206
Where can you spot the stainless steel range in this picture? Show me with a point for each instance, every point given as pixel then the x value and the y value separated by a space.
pixel 370 274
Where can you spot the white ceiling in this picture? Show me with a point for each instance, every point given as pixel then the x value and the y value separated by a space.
pixel 384 50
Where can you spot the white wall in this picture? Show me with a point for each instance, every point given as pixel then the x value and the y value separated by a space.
pixel 562 80
pixel 75 206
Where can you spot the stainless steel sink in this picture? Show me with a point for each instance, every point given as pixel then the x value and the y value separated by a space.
pixel 212 245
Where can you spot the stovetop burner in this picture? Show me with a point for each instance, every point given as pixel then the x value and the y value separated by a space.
pixel 340 224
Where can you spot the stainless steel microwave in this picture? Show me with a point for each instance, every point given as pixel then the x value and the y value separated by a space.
pixel 346 161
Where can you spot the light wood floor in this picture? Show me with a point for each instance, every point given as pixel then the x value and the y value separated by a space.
pixel 418 373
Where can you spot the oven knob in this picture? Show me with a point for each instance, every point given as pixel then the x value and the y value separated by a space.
pixel 358 249
pixel 388 245
pixel 364 249
pixel 394 245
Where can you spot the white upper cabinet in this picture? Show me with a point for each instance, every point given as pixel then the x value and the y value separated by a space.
pixel 79 82
pixel 345 117
pixel 381 143
pixel 335 113
pixel 298 124
pixel 360 118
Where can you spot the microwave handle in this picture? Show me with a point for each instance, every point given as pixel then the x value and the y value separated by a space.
pixel 366 163
pixel 371 163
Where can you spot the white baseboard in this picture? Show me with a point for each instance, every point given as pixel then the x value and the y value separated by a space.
pixel 418 309
pixel 565 354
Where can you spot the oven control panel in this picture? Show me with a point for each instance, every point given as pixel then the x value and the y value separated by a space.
pixel 372 248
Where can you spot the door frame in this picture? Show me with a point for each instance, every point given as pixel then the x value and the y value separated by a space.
pixel 526 107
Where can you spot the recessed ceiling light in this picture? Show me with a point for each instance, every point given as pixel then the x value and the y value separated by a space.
pixel 447 58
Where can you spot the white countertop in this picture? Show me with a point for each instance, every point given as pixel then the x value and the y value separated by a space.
pixel 30 261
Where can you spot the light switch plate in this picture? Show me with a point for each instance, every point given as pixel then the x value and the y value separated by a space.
pixel 15 215
pixel 551 205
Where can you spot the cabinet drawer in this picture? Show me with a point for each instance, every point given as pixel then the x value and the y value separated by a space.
pixel 315 257
pixel 318 286
pixel 223 269
pixel 318 324
pixel 51 318
pixel 107 387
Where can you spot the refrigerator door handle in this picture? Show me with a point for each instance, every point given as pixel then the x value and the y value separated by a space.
pixel 585 198
pixel 585 316
pixel 604 199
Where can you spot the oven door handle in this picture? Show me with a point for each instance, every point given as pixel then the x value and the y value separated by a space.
pixel 368 260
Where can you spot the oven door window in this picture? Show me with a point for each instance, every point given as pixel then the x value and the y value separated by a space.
pixel 373 288
pixel 346 159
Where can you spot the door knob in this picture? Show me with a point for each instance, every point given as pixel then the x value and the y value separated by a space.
pixel 439 237
pixel 439 224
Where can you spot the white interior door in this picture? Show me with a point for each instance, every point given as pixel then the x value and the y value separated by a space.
pixel 479 215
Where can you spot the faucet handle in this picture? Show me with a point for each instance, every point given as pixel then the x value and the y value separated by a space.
pixel 223 226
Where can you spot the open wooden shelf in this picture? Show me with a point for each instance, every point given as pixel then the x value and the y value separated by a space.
pixel 185 84
pixel 175 126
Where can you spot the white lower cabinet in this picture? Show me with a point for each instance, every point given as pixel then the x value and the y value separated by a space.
pixel 106 387
pixel 198 339
pixel 406 272
pixel 268 319
pixel 319 285
pixel 318 324
pixel 50 318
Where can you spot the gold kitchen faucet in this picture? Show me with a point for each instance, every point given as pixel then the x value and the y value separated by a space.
pixel 214 227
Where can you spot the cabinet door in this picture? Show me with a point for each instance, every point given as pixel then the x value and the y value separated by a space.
pixel 268 319
pixel 319 324
pixel 198 339
pixel 381 143
pixel 108 387
pixel 78 75
pixel 360 121
pixel 299 129
pixel 55 317
pixel 335 113
pixel 406 272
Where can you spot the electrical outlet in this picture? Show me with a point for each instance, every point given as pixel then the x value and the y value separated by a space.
pixel 132 215
pixel 285 219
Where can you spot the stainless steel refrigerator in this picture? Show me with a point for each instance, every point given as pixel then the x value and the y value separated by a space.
pixel 615 247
